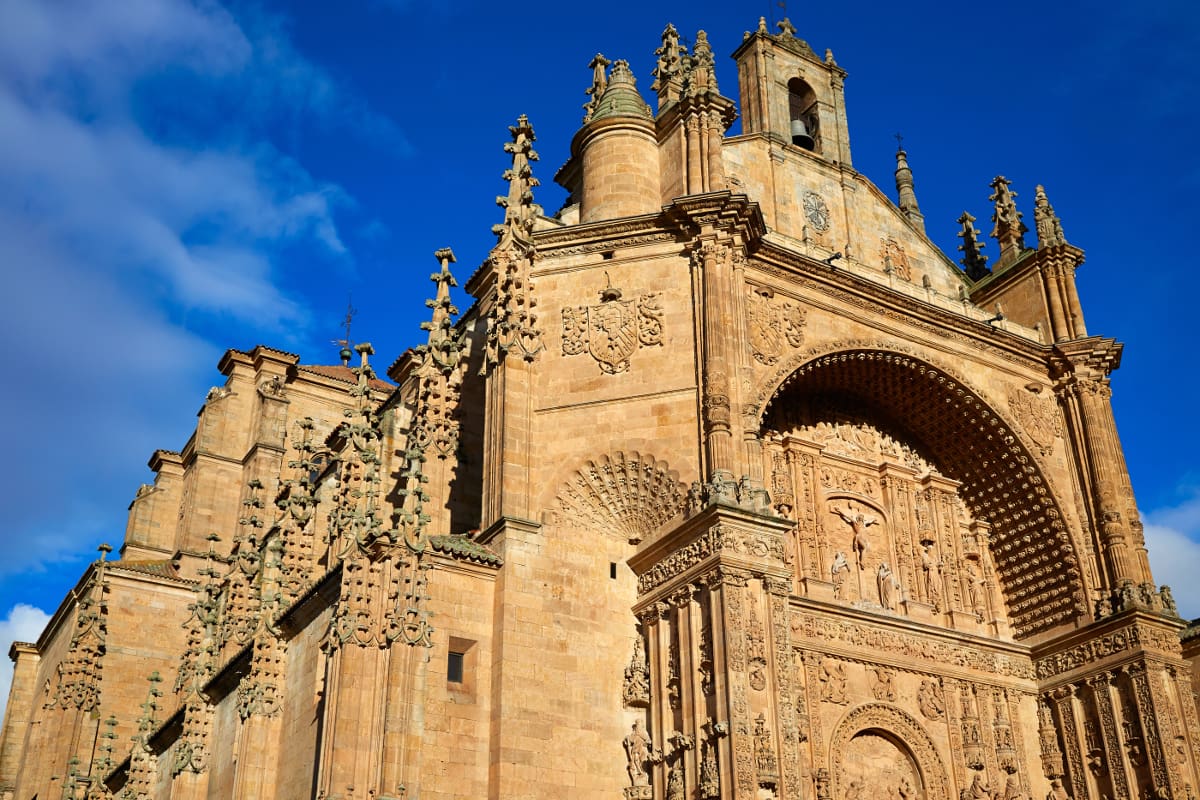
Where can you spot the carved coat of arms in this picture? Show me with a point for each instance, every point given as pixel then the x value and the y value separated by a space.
pixel 771 325
pixel 614 329
pixel 1038 417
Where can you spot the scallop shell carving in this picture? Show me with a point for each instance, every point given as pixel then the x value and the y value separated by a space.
pixel 625 494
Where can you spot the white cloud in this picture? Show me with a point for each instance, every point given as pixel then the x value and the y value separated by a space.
pixel 24 624
pixel 1173 539
pixel 137 210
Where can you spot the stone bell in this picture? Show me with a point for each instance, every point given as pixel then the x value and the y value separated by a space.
pixel 800 136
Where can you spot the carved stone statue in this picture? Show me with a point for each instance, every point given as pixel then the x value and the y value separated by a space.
pixel 978 790
pixel 837 574
pixel 1057 792
pixel 1012 788
pixel 637 750
pixel 675 789
pixel 931 570
pixel 833 681
pixel 888 586
pixel 637 680
pixel 930 699
pixel 974 589
pixel 858 522
pixel 854 791
pixel 883 689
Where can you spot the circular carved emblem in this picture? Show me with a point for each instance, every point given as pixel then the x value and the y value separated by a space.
pixel 816 212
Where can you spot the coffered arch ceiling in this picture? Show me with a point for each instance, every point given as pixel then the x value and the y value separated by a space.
pixel 1037 562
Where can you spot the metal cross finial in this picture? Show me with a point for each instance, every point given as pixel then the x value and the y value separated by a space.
pixel 899 141
pixel 350 312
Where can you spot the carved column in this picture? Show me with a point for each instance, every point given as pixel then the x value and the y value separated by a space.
pixel 1114 758
pixel 1083 388
pixel 713 258
pixel 695 172
pixel 1064 706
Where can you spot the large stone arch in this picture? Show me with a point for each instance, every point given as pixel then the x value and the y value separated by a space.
pixel 902 729
pixel 1036 558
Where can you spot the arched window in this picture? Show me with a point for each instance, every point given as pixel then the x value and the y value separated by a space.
pixel 804 124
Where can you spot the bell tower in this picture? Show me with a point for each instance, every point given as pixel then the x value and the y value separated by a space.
pixel 791 95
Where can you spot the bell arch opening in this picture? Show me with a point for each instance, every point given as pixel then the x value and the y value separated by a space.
pixel 803 119
pixel 976 529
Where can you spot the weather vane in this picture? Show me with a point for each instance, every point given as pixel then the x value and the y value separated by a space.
pixel 345 343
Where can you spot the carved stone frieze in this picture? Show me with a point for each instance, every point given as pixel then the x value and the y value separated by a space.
pixel 931 651
pixel 719 538
pixel 1088 652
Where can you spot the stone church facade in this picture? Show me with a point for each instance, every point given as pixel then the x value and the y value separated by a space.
pixel 729 484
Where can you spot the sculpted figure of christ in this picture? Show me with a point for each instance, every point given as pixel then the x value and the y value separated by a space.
pixel 858 522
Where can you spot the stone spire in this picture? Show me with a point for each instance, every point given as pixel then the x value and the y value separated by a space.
pixel 512 323
pixel 519 209
pixel 598 66
pixel 1049 226
pixel 1008 229
pixel 974 262
pixel 439 358
pixel 904 189
pixel 668 72
pixel 621 97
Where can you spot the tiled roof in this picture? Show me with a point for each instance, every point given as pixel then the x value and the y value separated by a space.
pixel 158 567
pixel 460 546
pixel 340 372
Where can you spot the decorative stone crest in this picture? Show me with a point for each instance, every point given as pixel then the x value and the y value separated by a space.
pixel 1037 416
pixel 771 324
pixel 614 329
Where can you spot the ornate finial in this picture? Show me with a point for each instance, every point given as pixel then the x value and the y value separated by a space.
pixel 762 25
pixel 512 322
pixel 668 72
pixel 441 353
pixel 345 352
pixel 974 262
pixel 1008 229
pixel 904 188
pixel 1049 226
pixel 598 66
pixel 786 28
pixel 519 209
pixel 829 57
pixel 700 78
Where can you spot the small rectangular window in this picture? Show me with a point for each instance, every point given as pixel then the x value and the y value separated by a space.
pixel 454 667
pixel 612 570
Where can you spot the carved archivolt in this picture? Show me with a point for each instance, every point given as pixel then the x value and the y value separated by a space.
pixel 898 726
pixel 1034 553
pixel 628 494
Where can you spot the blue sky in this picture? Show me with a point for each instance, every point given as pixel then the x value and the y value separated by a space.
pixel 179 177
